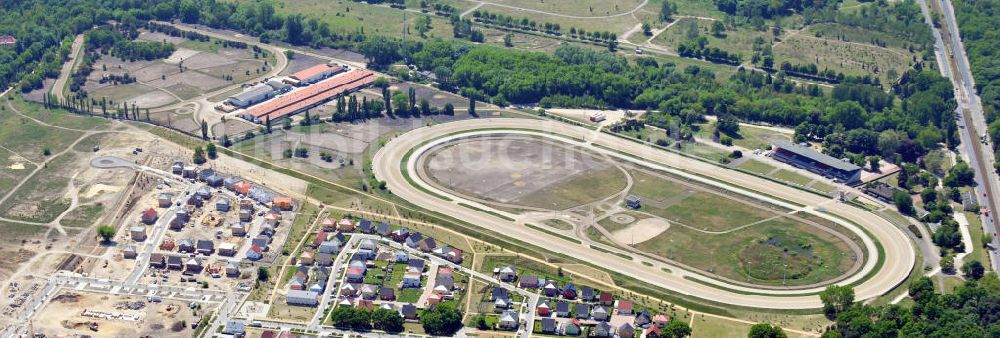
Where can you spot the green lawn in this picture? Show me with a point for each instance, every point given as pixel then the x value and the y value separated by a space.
pixel 761 250
pixel 558 224
pixel 83 216
pixel 41 198
pixel 408 295
pixel 524 266
pixel 819 185
pixel 578 190
pixel 756 166
pixel 693 206
pixel 976 230
pixel 711 327
pixel 739 40
pixel 791 177
pixel 303 220
pixel 704 151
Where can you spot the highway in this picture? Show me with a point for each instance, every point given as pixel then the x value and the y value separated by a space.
pixel 954 65
pixel 899 254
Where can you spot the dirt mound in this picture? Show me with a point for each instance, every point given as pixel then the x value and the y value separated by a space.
pixel 641 231
pixel 67 298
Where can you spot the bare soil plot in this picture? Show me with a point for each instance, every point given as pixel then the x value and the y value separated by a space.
pixel 522 171
pixel 300 62
pixel 64 315
pixel 194 68
pixel 641 230
pixel 157 36
pixel 235 128
pixel 435 97
pixel 180 55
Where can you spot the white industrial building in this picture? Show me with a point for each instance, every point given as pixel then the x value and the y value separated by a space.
pixel 303 298
pixel 253 95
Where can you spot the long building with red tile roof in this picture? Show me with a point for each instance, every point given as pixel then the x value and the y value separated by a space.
pixel 316 73
pixel 308 97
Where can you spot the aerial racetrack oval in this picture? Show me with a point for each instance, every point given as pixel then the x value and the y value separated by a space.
pixel 888 257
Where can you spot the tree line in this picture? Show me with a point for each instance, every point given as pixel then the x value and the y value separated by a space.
pixel 968 311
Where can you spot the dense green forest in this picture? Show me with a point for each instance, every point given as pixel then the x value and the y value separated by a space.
pixel 979 22
pixel 980 28
pixel 972 310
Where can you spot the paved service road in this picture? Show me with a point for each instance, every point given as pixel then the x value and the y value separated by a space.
pixel 954 65
pixel 899 254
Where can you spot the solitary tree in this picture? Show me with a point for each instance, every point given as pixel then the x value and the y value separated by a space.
pixel 873 163
pixel 903 202
pixel 666 11
pixel 973 269
pixel 210 149
pixel 677 329
pixel 836 298
pixel 387 320
pixel 765 330
pixel 444 320
pixel 106 232
pixel 204 129
pixel 199 156
pixel 718 28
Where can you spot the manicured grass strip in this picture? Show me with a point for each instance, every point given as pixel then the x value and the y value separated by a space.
pixel 611 252
pixel 571 239
pixel 487 211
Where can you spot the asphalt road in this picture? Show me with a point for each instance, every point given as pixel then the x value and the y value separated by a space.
pixel 954 64
pixel 899 254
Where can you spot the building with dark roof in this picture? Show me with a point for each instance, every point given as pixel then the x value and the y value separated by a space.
pixel 817 162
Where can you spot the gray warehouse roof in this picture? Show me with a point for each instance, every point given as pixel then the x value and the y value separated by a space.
pixel 816 156
pixel 253 92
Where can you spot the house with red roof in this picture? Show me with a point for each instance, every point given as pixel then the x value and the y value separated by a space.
pixel 149 216
pixel 316 73
pixel 321 237
pixel 282 202
pixel 624 307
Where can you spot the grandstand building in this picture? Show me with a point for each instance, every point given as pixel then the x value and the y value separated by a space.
pixel 814 161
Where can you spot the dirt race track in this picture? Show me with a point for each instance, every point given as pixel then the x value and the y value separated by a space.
pixel 898 256
pixel 506 169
